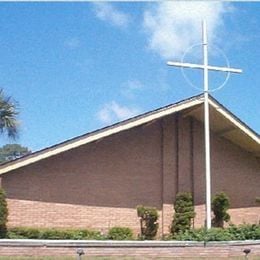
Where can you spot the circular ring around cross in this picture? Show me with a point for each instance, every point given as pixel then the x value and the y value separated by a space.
pixel 189 81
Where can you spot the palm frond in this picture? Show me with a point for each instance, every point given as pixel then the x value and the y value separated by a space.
pixel 8 116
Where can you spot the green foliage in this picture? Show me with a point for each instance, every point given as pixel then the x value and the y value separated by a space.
pixel 3 214
pixel 44 233
pixel 149 222
pixel 12 151
pixel 214 234
pixel 21 233
pixel 8 115
pixel 241 232
pixel 184 212
pixel 120 233
pixel 245 231
pixel 56 234
pixel 220 205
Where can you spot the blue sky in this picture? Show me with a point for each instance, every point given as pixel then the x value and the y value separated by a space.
pixel 76 67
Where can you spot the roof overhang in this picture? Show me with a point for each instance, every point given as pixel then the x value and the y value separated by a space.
pixel 225 124
pixel 221 120
pixel 99 134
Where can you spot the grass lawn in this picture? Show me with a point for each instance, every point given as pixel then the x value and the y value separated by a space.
pixel 117 258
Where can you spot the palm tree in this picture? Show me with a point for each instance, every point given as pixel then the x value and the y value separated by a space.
pixel 8 115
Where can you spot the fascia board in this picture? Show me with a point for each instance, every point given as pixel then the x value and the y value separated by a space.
pixel 234 121
pixel 105 133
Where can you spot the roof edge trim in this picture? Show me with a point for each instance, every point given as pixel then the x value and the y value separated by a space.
pixel 91 137
pixel 232 118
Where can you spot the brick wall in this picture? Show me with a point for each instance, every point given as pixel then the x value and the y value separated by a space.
pixel 100 184
pixel 45 214
pixel 94 186
pixel 140 250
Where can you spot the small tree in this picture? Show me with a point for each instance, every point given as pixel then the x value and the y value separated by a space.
pixel 184 212
pixel 220 205
pixel 10 152
pixel 3 214
pixel 149 221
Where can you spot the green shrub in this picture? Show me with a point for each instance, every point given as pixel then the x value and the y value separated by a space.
pixel 56 234
pixel 218 234
pixel 149 222
pixel 184 212
pixel 245 231
pixel 241 232
pixel 220 205
pixel 190 235
pixel 21 233
pixel 47 233
pixel 3 214
pixel 120 233
pixel 86 234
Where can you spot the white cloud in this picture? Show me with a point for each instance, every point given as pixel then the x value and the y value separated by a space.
pixel 130 88
pixel 72 43
pixel 173 26
pixel 113 112
pixel 109 13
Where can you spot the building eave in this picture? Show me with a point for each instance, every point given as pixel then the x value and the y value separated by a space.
pixel 241 134
pixel 235 131
pixel 226 125
pixel 99 134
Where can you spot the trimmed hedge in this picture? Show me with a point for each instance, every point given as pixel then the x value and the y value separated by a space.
pixel 220 205
pixel 184 212
pixel 241 232
pixel 120 233
pixel 42 233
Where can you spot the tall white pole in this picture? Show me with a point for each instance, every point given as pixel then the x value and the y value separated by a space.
pixel 206 125
pixel 205 67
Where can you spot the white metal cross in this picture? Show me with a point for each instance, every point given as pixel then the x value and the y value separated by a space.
pixel 206 68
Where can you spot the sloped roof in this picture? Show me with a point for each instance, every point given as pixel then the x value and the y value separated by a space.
pixel 222 122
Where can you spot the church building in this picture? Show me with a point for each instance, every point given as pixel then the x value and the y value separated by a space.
pixel 97 180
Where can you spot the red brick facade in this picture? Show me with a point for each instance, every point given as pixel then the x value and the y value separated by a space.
pixel 137 250
pixel 99 185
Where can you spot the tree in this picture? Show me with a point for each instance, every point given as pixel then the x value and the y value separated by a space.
pixel 149 221
pixel 12 151
pixel 220 205
pixel 3 214
pixel 8 115
pixel 184 212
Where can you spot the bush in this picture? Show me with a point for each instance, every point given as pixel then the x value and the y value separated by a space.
pixel 241 232
pixel 220 205
pixel 218 234
pixel 87 234
pixel 21 233
pixel 190 235
pixel 149 222
pixel 245 231
pixel 184 212
pixel 3 214
pixel 120 233
pixel 44 233
pixel 56 234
